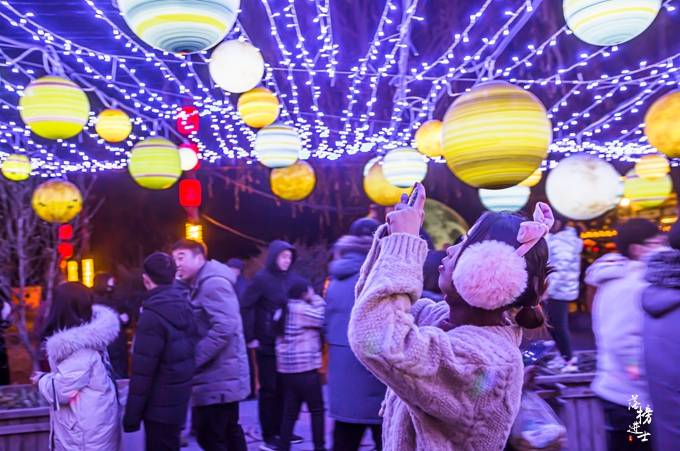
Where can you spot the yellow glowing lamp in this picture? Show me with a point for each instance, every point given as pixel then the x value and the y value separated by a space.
pixel 378 189
pixel 72 271
pixel 17 167
pixel 533 180
pixel 57 201
pixel 661 124
pixel 113 126
pixel 429 138
pixel 644 193
pixel 652 167
pixel 294 183
pixel 88 272
pixel 259 107
pixel 194 232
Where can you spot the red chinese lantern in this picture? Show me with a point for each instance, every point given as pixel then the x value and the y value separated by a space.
pixel 190 193
pixel 65 250
pixel 188 120
pixel 65 232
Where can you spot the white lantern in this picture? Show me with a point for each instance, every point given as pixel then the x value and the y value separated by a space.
pixel 277 146
pixel 236 66
pixel 404 166
pixel 188 157
pixel 507 199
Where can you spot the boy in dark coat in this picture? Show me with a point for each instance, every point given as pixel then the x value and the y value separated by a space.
pixel 162 359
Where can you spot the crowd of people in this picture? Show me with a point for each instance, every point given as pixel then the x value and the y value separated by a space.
pixel 423 346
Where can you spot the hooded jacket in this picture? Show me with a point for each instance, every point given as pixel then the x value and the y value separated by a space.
pixel 222 373
pixel 617 325
pixel 162 359
pixel 268 292
pixel 565 258
pixel 661 335
pixel 85 413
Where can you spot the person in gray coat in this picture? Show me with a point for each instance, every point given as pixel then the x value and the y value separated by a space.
pixel 222 377
pixel 355 395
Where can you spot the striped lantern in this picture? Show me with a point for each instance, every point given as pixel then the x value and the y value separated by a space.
pixel 429 138
pixel 155 163
pixel 277 146
pixel 113 126
pixel 259 107
pixel 294 183
pixel 508 199
pixel 16 167
pixel 236 66
pixel 661 124
pixel 180 26
pixel 377 188
pixel 645 193
pixel 534 179
pixel 496 135
pixel 54 107
pixel 609 22
pixel 403 167
pixel 652 167
pixel 57 201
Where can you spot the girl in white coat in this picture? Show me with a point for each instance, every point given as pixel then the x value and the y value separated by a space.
pixel 85 408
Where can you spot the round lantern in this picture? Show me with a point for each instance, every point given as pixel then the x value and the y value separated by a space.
pixel 609 22
pixel 57 201
pixel 188 120
pixel 496 135
pixel 429 138
pixel 661 124
pixel 190 193
pixel 54 107
pixel 236 66
pixel 113 126
pixel 645 193
pixel 652 167
pixel 378 189
pixel 278 146
pixel 188 156
pixel 508 199
pixel 293 183
pixel 16 167
pixel 534 179
pixel 403 167
pixel 186 26
pixel 155 163
pixel 259 107
pixel 584 187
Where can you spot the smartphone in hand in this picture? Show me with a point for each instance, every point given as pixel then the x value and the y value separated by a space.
pixel 414 195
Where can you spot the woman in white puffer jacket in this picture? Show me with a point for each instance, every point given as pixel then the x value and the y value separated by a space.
pixel 85 412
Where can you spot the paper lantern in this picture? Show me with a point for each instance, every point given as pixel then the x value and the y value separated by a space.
pixel 87 265
pixel 652 167
pixel 186 26
pixel 65 250
pixel 609 22
pixel 294 183
pixel 65 232
pixel 72 271
pixel 508 199
pixel 584 187
pixel 377 188
pixel 54 107
pixel 190 193
pixel 277 146
pixel 236 66
pixel 57 201
pixel 113 126
pixel 16 167
pixel 429 138
pixel 188 120
pixel 188 156
pixel 496 135
pixel 259 107
pixel 403 167
pixel 534 179
pixel 645 193
pixel 661 124
pixel 194 232
pixel 155 164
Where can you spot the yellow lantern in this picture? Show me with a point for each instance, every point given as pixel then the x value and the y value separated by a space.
pixel 113 126
pixel 193 232
pixel 155 163
pixel 644 193
pixel 88 272
pixel 54 107
pixel 259 107
pixel 57 201
pixel 429 138
pixel 72 271
pixel 377 188
pixel 661 124
pixel 295 182
pixel 16 167
pixel 533 180
pixel 496 135
pixel 652 167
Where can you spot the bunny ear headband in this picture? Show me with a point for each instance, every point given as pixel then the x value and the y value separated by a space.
pixel 491 274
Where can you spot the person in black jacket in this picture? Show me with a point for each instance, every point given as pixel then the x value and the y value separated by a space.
pixel 267 293
pixel 162 358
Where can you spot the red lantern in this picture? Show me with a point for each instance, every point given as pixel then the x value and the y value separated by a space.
pixel 65 250
pixel 190 193
pixel 188 120
pixel 65 232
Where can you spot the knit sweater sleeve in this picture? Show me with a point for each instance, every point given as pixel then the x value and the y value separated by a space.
pixel 415 362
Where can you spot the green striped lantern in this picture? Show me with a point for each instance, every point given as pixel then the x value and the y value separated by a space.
pixel 54 107
pixel 278 146
pixel 180 26
pixel 155 164
pixel 404 166
pixel 507 199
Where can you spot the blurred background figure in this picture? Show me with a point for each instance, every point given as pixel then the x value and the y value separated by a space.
pixel 104 290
